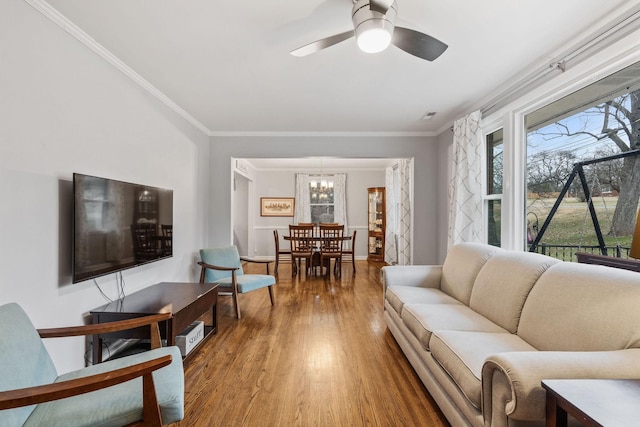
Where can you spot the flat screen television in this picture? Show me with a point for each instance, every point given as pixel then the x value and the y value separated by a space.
pixel 118 225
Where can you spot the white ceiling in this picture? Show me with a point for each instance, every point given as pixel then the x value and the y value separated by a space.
pixel 227 64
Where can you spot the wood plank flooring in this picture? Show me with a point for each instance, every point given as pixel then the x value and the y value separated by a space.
pixel 322 356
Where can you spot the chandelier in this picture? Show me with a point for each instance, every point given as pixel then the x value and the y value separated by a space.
pixel 321 190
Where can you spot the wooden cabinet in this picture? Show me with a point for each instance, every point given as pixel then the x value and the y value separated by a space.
pixel 376 223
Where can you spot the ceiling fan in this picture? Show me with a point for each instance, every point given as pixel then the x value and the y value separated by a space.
pixel 374 29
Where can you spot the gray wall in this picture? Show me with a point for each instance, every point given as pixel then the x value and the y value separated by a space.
pixel 271 183
pixel 422 149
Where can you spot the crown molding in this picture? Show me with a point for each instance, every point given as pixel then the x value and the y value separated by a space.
pixel 63 22
pixel 323 134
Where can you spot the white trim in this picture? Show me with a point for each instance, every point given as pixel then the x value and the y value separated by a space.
pixel 57 18
pixel 323 133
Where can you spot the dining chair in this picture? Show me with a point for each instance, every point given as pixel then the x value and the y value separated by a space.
pixel 316 232
pixel 224 267
pixel 301 238
pixel 348 254
pixel 280 254
pixel 331 239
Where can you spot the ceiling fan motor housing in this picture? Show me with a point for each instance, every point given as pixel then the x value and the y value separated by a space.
pixel 373 29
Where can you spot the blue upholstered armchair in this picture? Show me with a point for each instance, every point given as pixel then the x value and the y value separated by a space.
pixel 142 389
pixel 224 266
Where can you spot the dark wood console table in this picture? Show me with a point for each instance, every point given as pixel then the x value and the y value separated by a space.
pixel 187 302
pixel 594 403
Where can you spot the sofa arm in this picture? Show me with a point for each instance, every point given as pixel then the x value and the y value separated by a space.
pixel 511 381
pixel 426 276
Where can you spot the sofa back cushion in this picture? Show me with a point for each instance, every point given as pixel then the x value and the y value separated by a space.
pixel 461 267
pixel 580 307
pixel 24 361
pixel 503 284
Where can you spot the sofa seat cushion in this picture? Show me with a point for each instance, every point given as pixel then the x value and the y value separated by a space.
pixel 399 295
pixel 462 354
pixel 423 319
pixel 123 402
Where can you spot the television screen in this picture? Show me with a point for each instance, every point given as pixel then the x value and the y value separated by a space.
pixel 118 225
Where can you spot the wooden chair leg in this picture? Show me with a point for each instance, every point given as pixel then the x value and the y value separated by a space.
pixel 237 304
pixel 271 296
pixel 275 271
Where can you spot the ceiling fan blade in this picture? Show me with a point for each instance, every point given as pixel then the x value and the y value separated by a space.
pixel 417 43
pixel 324 43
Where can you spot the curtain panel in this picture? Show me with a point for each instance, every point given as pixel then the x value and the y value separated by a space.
pixel 398 183
pixel 302 211
pixel 465 185
pixel 390 249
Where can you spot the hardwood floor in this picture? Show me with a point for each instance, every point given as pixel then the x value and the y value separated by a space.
pixel 321 356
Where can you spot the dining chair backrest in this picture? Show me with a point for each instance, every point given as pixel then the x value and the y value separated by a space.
pixel 331 237
pixel 301 238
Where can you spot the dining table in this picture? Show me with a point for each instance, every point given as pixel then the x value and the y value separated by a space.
pixel 315 242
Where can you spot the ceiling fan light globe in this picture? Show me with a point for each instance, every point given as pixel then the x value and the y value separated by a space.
pixel 373 29
pixel 374 40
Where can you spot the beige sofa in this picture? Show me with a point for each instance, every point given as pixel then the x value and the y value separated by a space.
pixel 487 326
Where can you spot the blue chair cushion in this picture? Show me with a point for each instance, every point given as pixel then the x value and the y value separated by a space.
pixel 249 282
pixel 118 405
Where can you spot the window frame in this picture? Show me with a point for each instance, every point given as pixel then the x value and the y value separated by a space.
pixel 512 117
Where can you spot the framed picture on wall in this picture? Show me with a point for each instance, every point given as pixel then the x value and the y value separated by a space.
pixel 277 206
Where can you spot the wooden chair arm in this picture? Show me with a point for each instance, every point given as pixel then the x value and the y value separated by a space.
pixel 120 325
pixel 257 261
pixel 216 267
pixel 103 328
pixel 45 393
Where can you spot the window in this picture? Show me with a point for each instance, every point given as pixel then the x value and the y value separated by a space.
pixel 578 131
pixel 321 197
pixel 493 196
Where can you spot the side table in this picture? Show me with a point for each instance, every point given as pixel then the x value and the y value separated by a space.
pixel 593 402
pixel 185 301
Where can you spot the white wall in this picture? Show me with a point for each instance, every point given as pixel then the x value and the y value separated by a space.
pixel 270 183
pixel 422 149
pixel 65 110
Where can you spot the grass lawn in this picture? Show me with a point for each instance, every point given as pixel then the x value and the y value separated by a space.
pixel 572 225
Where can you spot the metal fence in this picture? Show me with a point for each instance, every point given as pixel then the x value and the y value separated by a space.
pixel 568 252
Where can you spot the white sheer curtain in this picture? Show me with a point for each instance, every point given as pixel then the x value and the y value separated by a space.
pixel 390 249
pixel 340 199
pixel 398 184
pixel 465 186
pixel 302 212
